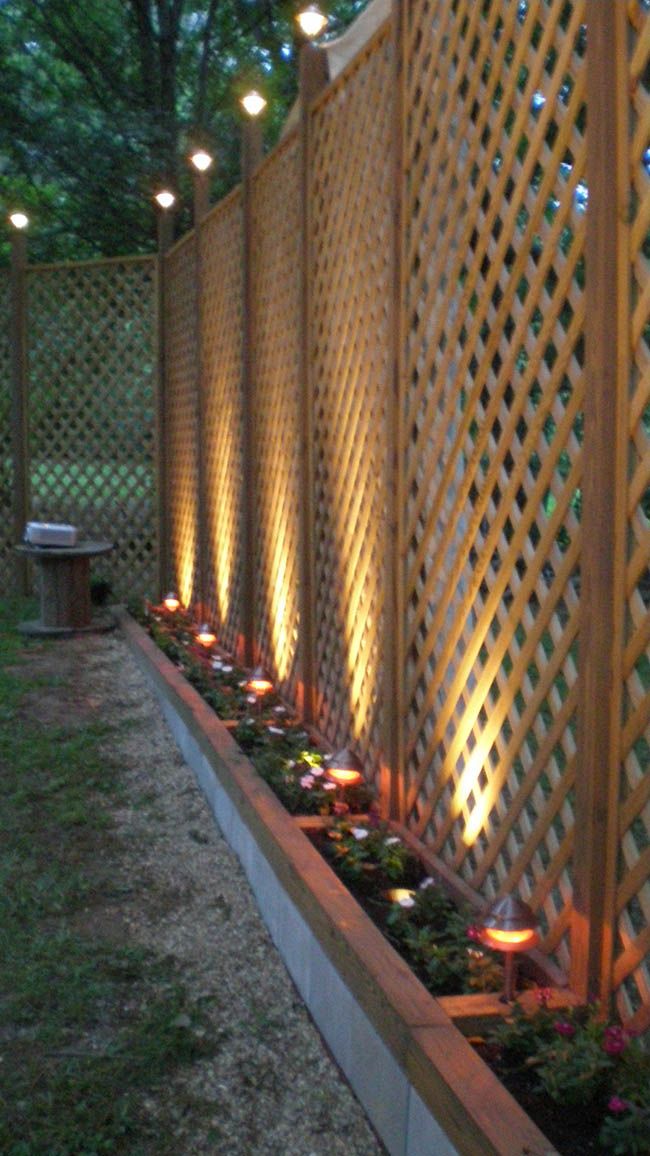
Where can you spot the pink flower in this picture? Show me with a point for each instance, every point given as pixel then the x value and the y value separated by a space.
pixel 617 1105
pixel 474 933
pixel 564 1028
pixel 307 782
pixel 615 1040
pixel 340 808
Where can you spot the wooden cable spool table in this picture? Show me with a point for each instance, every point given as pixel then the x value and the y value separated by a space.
pixel 64 580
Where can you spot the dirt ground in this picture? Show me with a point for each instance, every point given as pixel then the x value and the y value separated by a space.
pixel 272 1089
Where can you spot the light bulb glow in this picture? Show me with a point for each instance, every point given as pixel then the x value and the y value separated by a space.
pixel 509 940
pixel 165 199
pixel 201 160
pixel 171 602
pixel 312 21
pixel 19 220
pixel 253 102
pixel 344 776
pixel 259 682
pixel 206 636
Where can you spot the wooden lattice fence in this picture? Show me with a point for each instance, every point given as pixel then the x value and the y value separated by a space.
pixel 88 383
pixel 6 449
pixel 423 450
pixel 276 342
pixel 406 417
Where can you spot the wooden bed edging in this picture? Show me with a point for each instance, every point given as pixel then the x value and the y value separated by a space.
pixel 421 1084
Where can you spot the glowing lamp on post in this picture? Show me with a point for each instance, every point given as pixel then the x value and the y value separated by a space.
pixel 312 21
pixel 253 103
pixel 19 220
pixel 345 770
pixel 171 602
pixel 509 926
pixel 201 160
pixel 259 684
pixel 206 636
pixel 165 199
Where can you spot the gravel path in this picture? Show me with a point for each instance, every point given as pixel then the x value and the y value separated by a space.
pixel 272 1089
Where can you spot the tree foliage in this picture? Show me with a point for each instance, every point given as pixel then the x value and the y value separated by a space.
pixel 101 101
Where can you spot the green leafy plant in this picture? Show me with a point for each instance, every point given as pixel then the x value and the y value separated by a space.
pixel 580 1059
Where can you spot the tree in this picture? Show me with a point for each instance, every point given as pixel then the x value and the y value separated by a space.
pixel 101 101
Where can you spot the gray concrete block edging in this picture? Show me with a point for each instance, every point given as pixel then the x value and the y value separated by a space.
pixel 421 1084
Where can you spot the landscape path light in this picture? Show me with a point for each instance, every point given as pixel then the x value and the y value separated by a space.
pixel 259 683
pixel 312 21
pixel 19 220
pixel 205 635
pixel 171 602
pixel 510 926
pixel 201 160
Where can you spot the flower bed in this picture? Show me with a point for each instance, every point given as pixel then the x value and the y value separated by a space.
pixel 358 845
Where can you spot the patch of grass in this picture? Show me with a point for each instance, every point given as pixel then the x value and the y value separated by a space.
pixel 90 1029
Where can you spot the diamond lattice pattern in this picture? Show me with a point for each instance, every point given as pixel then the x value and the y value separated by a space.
pixel 632 948
pixel 276 316
pixel 496 199
pixel 181 418
pixel 92 409
pixel 351 254
pixel 222 327
pixel 6 462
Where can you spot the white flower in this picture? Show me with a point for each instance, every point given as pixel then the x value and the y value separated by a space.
pixel 275 730
pixel 217 664
pixel 360 833
pixel 227 670
pixel 406 901
pixel 428 882
pixel 318 771
pixel 250 698
pixel 392 840
pixel 280 709
pixel 329 786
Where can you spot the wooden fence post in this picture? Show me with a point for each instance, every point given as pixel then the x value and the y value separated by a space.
pixel 392 771
pixel 19 376
pixel 604 504
pixel 251 157
pixel 165 231
pixel 314 76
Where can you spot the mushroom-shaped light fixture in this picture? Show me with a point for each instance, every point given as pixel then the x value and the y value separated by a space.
pixel 509 925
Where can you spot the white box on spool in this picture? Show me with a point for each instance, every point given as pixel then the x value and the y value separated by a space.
pixel 50 534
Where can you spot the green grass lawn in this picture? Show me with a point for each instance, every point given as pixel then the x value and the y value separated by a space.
pixel 88 1028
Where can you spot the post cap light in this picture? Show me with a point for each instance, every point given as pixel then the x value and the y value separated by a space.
pixel 312 21
pixel 171 602
pixel 201 160
pixel 345 769
pixel 165 199
pixel 253 102
pixel 259 681
pixel 19 220
pixel 509 925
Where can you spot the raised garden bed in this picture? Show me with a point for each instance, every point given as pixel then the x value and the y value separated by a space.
pixel 423 1085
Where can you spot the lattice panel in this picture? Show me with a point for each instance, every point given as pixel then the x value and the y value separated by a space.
pixel 632 954
pixel 181 368
pixel 494 263
pixel 91 333
pixel 351 246
pixel 277 312
pixel 7 566
pixel 222 324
